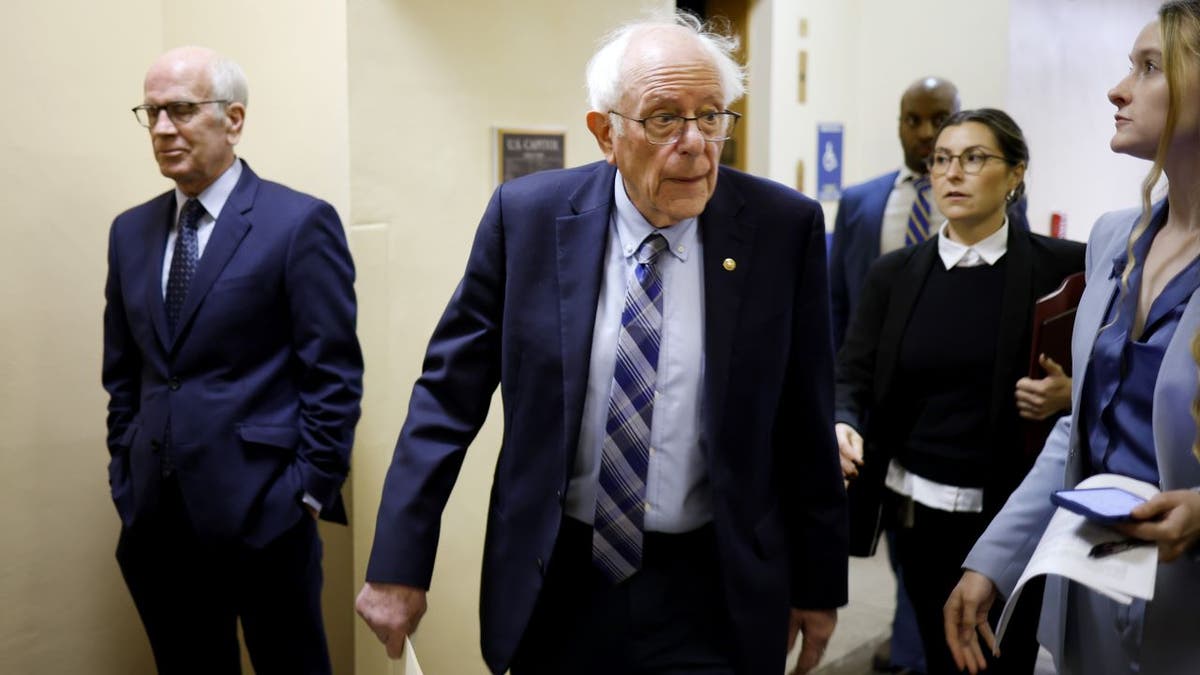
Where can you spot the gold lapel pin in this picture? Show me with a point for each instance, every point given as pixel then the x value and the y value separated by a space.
pixel 730 264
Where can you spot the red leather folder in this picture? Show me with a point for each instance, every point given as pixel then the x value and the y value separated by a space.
pixel 1053 323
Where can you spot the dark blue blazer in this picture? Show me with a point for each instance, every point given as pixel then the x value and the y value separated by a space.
pixel 258 392
pixel 522 318
pixel 856 232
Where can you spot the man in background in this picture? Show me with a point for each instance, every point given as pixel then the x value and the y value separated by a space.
pixel 668 496
pixel 234 377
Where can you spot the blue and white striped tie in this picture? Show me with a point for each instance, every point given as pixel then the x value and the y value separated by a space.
pixel 625 456
pixel 918 218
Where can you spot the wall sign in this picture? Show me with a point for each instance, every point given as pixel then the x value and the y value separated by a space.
pixel 520 152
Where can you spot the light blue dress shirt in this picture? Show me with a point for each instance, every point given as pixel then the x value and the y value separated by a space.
pixel 213 199
pixel 678 495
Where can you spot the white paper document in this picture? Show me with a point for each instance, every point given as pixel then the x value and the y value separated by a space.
pixel 1068 540
pixel 411 667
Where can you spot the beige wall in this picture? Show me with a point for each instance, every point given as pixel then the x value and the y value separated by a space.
pixel 71 158
pixel 428 80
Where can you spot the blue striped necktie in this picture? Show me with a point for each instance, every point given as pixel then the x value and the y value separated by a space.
pixel 918 218
pixel 625 454
pixel 184 259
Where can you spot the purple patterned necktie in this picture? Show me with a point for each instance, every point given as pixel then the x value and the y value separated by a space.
pixel 183 260
pixel 918 218
pixel 625 455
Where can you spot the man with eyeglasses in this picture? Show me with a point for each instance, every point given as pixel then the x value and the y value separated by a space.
pixel 667 497
pixel 234 375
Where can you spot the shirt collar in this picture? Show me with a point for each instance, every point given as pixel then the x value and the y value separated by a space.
pixel 632 227
pixel 906 176
pixel 214 196
pixel 984 252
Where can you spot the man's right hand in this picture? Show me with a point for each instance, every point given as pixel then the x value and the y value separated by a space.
pixel 850 447
pixel 392 611
pixel 966 618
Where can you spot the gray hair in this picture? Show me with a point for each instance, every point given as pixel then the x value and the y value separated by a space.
pixel 604 69
pixel 228 81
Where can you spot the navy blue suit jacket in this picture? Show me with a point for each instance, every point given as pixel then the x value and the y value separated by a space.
pixel 259 388
pixel 856 232
pixel 522 318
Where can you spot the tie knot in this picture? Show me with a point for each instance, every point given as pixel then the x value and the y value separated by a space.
pixel 192 211
pixel 651 246
pixel 921 183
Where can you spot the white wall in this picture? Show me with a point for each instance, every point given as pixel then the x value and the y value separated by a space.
pixel 1049 63
pixel 1064 56
pixel 862 54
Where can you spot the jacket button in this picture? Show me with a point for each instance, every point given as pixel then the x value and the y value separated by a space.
pixel 541 566
pixel 173 384
pixel 155 445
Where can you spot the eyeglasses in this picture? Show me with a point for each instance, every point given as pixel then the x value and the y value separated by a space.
pixel 971 161
pixel 666 129
pixel 180 112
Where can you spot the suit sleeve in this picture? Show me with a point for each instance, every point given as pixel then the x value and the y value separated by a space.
pixel 449 404
pixel 320 294
pixel 121 370
pixel 816 502
pixel 839 294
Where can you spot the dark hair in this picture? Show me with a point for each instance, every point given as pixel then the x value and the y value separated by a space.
pixel 1008 136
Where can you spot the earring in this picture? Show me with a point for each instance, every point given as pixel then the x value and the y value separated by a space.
pixel 1012 194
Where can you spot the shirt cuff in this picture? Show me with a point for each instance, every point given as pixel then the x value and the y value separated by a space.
pixel 311 501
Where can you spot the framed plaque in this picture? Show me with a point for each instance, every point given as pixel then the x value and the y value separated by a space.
pixel 523 151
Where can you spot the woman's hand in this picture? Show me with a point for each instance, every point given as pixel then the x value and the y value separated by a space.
pixel 1043 397
pixel 965 615
pixel 1170 519
pixel 850 448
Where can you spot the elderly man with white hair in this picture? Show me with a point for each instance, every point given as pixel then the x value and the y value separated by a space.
pixel 668 496
pixel 234 377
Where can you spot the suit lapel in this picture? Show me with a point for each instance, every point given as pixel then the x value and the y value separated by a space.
pixel 724 238
pixel 581 239
pixel 907 288
pixel 1015 315
pixel 155 244
pixel 229 230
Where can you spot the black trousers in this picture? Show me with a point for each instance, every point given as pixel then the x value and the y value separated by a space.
pixel 190 593
pixel 931 551
pixel 669 617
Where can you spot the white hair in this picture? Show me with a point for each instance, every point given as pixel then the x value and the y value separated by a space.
pixel 228 81
pixel 605 68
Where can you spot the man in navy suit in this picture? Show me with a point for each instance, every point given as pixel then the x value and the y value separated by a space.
pixel 234 377
pixel 736 515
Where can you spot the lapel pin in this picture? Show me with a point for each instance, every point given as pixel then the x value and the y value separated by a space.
pixel 730 264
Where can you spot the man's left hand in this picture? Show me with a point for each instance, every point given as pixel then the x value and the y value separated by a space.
pixel 816 625
pixel 1170 519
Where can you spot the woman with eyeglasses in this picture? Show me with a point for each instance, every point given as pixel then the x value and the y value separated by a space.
pixel 1134 388
pixel 927 420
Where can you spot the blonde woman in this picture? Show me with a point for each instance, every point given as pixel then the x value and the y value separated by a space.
pixel 1135 381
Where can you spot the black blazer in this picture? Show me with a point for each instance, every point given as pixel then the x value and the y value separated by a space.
pixel 866 364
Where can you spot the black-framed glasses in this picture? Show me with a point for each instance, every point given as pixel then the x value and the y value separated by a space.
pixel 971 161
pixel 180 112
pixel 665 129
